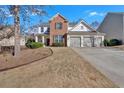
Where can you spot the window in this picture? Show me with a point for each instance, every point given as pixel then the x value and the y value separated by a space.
pixel 35 29
pixel 58 39
pixel 42 30
pixel 82 27
pixel 58 25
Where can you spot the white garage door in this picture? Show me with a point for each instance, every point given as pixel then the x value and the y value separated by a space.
pixel 98 41
pixel 88 42
pixel 75 42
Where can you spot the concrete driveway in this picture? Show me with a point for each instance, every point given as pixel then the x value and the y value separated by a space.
pixel 109 61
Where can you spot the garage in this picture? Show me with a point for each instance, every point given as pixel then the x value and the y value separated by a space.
pixel 75 42
pixel 88 42
pixel 98 41
pixel 84 39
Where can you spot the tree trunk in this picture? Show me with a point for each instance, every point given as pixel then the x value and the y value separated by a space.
pixel 0 47
pixel 17 30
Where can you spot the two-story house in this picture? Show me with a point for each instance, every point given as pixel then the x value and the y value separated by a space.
pixel 58 29
pixel 79 35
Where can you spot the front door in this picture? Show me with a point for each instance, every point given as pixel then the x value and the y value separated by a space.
pixel 47 41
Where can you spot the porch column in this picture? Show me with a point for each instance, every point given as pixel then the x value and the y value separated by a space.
pixel 43 39
pixel 103 40
pixel 36 38
pixel 68 41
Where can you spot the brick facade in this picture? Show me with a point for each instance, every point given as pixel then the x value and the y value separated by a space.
pixel 63 31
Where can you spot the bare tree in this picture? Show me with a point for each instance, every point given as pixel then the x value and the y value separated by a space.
pixel 2 16
pixel 17 29
pixel 23 12
pixel 95 24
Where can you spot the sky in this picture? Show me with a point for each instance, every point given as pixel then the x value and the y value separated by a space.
pixel 89 13
pixel 74 12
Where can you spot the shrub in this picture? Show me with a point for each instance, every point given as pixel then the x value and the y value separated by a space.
pixel 58 44
pixel 28 44
pixel 32 44
pixel 35 45
pixel 114 42
pixel 30 40
pixel 106 42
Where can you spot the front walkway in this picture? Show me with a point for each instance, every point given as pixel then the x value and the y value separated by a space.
pixel 65 68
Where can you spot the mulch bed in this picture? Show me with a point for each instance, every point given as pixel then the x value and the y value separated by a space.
pixel 121 47
pixel 27 56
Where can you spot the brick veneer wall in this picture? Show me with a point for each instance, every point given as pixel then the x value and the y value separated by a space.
pixel 62 31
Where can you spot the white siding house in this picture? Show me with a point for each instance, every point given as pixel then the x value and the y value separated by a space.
pixel 41 34
pixel 11 41
pixel 7 37
pixel 113 26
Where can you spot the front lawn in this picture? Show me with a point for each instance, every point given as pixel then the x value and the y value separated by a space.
pixel 26 56
pixel 65 68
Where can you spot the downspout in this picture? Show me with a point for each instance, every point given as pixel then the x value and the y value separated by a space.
pixel 123 29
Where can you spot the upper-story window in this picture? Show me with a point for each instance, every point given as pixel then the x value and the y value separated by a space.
pixel 35 30
pixel 58 25
pixel 82 27
pixel 42 29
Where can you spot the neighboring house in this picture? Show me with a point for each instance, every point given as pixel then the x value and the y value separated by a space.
pixel 7 37
pixel 113 26
pixel 41 33
pixel 11 41
pixel 79 35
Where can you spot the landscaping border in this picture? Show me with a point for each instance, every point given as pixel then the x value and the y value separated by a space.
pixel 5 69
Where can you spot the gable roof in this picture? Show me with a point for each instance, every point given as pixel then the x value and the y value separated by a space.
pixel 116 13
pixel 58 14
pixel 84 23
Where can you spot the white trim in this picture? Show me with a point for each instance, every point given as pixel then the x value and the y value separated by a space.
pixel 36 38
pixel 68 40
pixel 82 41
pixel 43 39
pixel 82 38
pixel 84 23
pixel 88 25
pixel 56 16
